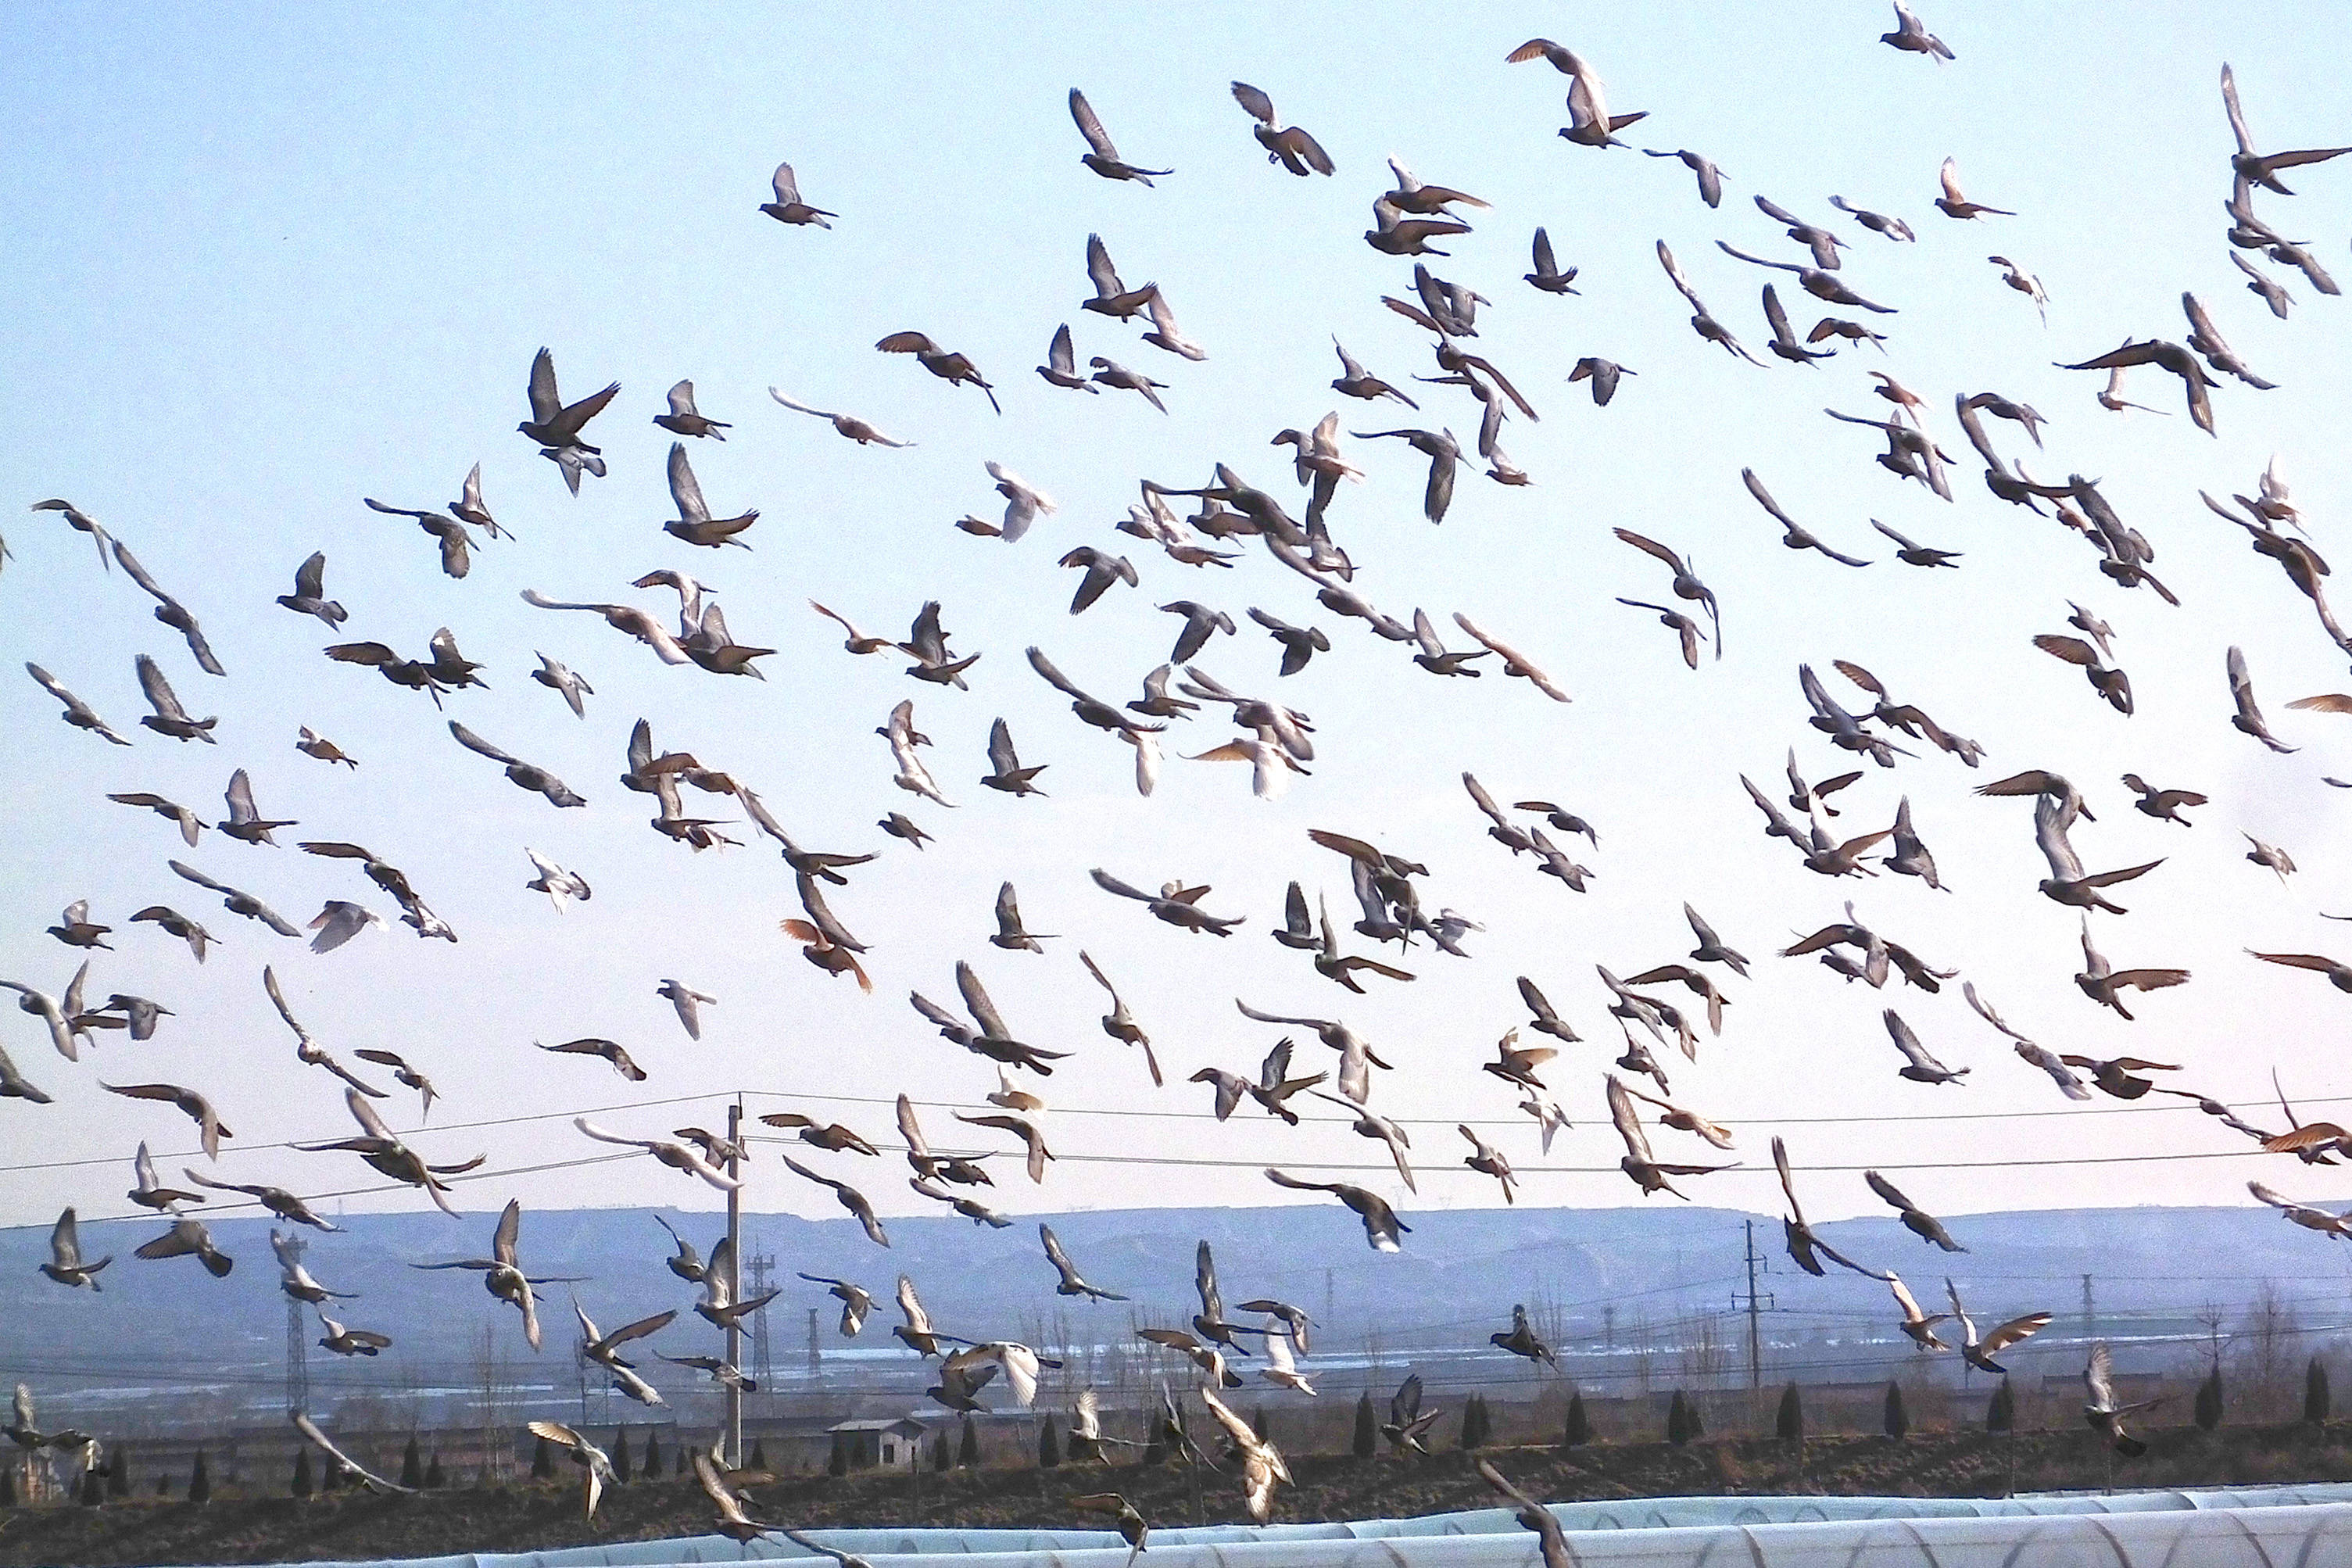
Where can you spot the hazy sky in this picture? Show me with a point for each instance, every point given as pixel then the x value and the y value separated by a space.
pixel 273 260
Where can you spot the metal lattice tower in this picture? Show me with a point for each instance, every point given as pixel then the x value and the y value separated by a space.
pixel 762 1366
pixel 298 1340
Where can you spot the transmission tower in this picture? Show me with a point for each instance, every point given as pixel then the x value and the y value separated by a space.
pixel 762 1368
pixel 298 1338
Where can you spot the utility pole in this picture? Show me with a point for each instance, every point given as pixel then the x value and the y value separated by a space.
pixel 815 1356
pixel 298 1338
pixel 735 1279
pixel 1754 1306
pixel 2090 1312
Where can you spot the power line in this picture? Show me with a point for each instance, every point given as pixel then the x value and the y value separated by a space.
pixel 444 1127
pixel 1352 1167
pixel 1198 1116
pixel 1343 1167
pixel 1311 1119
pixel 396 1186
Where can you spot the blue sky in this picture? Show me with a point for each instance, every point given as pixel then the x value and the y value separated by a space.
pixel 272 262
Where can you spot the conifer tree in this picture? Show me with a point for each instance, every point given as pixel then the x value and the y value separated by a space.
pixel 2315 1393
pixel 1049 1445
pixel 1578 1431
pixel 2208 1411
pixel 1895 1421
pixel 968 1445
pixel 302 1472
pixel 412 1464
pixel 200 1480
pixel 1681 1423
pixel 1368 1428
pixel 2001 1413
pixel 1790 1426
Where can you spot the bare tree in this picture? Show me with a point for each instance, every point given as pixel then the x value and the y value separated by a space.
pixel 494 1393
pixel 1704 1353
pixel 2267 1352
pixel 1645 1350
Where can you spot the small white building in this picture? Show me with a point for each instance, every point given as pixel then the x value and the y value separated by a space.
pixel 894 1444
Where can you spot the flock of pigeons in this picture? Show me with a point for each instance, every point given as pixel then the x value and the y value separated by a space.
pixel 1228 516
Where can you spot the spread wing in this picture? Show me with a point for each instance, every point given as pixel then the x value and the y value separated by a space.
pixel 474 743
pixel 372 1481
pixel 1055 678
pixel 1485 802
pixel 1888 1190
pixel 546 402
pixel 1906 1042
pixel 1650 547
pixel 166 705
pixel 1629 1122
pixel 2049 832
pixel 684 488
pixel 502 1243
pixel 1110 884
pixel 911 1130
pixel 2237 115
pixel 1260 107
pixel 1099 268
pixel 2099 1376
pixel 2014 1331
pixel 1780 1163
pixel 1054 1255
pixel 1682 285
pixel 1764 497
pixel 1404 1405
pixel 975 998
pixel 918 1319
pixel 137 574
pixel 1091 128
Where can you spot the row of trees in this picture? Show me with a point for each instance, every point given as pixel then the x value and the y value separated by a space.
pixel 1476 1430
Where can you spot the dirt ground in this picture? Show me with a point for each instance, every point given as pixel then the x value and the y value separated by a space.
pixel 542 1515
